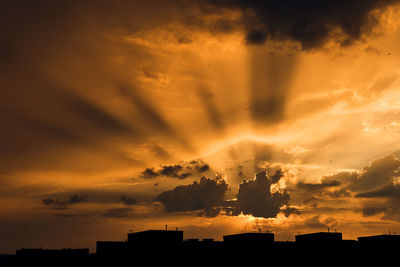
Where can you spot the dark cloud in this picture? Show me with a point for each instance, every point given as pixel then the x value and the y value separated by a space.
pixel 210 212
pixel 383 201
pixel 149 173
pixel 311 23
pixel 375 180
pixel 324 184
pixel 317 222
pixel 290 210
pixel 255 197
pixel 180 171
pixel 128 200
pixel 389 191
pixel 63 204
pixel 174 171
pixel 202 195
pixel 276 176
pixel 371 211
pixel 202 168
pixel 375 187
pixel 380 172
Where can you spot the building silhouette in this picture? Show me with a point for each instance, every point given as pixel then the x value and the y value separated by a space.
pixel 249 238
pixel 319 238
pixel 168 248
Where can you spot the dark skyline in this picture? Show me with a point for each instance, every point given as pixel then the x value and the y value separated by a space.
pixel 169 247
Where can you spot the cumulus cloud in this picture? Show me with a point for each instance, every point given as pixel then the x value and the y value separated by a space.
pixel 63 203
pixel 207 197
pixel 377 176
pixel 255 198
pixel 205 194
pixel 380 172
pixel 310 23
pixel 179 171
pixel 374 188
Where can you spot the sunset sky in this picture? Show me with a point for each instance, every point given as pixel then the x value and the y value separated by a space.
pixel 121 115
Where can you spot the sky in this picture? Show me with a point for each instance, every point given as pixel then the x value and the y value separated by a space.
pixel 211 116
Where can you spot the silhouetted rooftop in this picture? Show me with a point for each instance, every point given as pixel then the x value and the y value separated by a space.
pixel 250 237
pixel 158 247
pixel 379 238
pixel 319 237
pixel 156 236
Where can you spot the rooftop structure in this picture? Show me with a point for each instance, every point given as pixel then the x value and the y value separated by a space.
pixel 320 237
pixel 378 239
pixel 156 237
pixel 250 238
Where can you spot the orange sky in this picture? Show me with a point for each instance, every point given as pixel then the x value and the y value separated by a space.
pixel 106 109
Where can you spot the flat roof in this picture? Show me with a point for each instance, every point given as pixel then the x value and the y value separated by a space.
pixel 392 237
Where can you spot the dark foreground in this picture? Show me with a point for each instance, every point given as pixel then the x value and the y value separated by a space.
pixel 167 248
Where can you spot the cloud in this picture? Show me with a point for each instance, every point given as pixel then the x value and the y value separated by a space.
pixel 63 204
pixel 389 191
pixel 310 23
pixel 371 211
pixel 180 171
pixel 149 173
pixel 317 222
pixel 255 197
pixel 324 184
pixel 202 195
pixel 210 212
pixel 380 172
pixel 174 171
pixel 374 179
pixel 128 200
pixel 374 189
pixel 382 201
